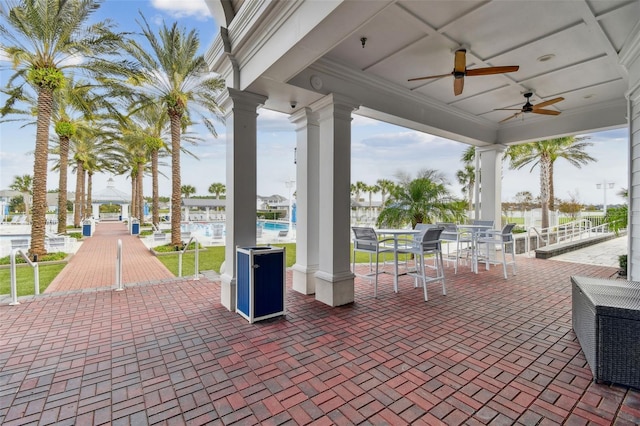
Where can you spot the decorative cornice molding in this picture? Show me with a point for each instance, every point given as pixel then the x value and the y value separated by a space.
pixel 630 51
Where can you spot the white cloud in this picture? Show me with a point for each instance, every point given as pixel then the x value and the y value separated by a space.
pixel 183 8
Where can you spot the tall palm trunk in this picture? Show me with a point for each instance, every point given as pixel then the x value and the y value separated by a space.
pixel 83 213
pixel 155 214
pixel 78 200
pixel 62 185
pixel 544 190
pixel 134 204
pixel 175 179
pixel 38 223
pixel 552 202
pixel 89 208
pixel 139 192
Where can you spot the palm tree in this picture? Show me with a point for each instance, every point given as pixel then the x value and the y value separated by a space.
pixel 424 199
pixel 372 189
pixel 544 153
pixel 467 178
pixel 73 105
pixel 386 186
pixel 24 185
pixel 187 190
pixel 39 37
pixel 180 79
pixel 217 188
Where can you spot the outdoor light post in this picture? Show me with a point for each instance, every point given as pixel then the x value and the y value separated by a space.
pixel 290 185
pixel 604 186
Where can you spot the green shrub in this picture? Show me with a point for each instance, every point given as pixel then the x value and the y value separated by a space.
pixel 50 257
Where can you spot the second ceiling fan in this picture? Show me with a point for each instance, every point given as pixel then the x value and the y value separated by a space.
pixel 529 107
pixel 460 71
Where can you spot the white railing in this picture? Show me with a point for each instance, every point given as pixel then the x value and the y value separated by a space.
pixel 14 280
pixel 196 274
pixel 570 231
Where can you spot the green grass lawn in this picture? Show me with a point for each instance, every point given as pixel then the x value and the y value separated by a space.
pixel 212 257
pixel 24 278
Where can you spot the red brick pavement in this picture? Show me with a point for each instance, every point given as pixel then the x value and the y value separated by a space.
pixel 492 351
pixel 94 265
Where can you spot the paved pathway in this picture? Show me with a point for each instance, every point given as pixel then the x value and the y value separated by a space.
pixel 602 254
pixel 94 264
pixel 492 351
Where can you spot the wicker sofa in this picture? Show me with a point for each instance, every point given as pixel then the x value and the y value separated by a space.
pixel 606 320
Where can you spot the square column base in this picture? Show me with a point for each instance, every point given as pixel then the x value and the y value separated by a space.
pixel 335 290
pixel 304 280
pixel 228 292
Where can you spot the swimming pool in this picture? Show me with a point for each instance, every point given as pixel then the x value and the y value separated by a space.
pixel 217 229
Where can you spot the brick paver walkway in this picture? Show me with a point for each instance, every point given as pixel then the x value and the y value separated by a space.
pixel 492 351
pixel 94 265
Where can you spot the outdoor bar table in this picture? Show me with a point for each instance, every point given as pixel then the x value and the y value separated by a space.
pixel 396 233
pixel 475 231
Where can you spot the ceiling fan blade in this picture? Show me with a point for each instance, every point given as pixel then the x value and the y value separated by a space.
pixel 510 117
pixel 429 76
pixel 458 85
pixel 546 111
pixel 492 70
pixel 547 103
pixel 460 62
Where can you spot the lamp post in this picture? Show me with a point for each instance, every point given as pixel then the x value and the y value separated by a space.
pixel 604 186
pixel 290 184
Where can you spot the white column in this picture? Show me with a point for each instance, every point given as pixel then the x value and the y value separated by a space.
pixel 241 126
pixel 124 211
pixel 207 210
pixel 630 59
pixel 95 210
pixel 491 183
pixel 334 279
pixel 307 200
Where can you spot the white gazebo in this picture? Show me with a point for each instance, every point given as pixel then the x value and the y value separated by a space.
pixel 110 195
pixel 324 61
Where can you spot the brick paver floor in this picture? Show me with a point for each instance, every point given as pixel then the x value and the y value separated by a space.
pixel 492 351
pixel 94 265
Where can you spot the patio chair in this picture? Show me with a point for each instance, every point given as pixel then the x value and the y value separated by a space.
pixel 498 240
pixel 426 243
pixel 365 240
pixel 453 236
pixel 21 243
pixel 283 234
pixel 488 223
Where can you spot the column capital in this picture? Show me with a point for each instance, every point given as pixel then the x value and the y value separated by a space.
pixel 239 99
pixel 494 147
pixel 303 117
pixel 339 102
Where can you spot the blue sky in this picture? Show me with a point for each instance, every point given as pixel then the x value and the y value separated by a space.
pixel 379 150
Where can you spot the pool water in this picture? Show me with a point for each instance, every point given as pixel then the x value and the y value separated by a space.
pixel 209 229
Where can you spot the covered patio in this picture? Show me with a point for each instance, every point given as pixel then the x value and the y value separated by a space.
pixel 323 62
pixel 492 351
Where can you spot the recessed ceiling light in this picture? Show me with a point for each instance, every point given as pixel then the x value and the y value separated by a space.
pixel 545 58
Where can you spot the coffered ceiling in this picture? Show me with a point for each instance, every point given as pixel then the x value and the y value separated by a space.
pixel 369 50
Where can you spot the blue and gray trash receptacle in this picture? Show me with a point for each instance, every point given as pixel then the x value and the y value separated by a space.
pixel 260 285
pixel 135 226
pixel 87 228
